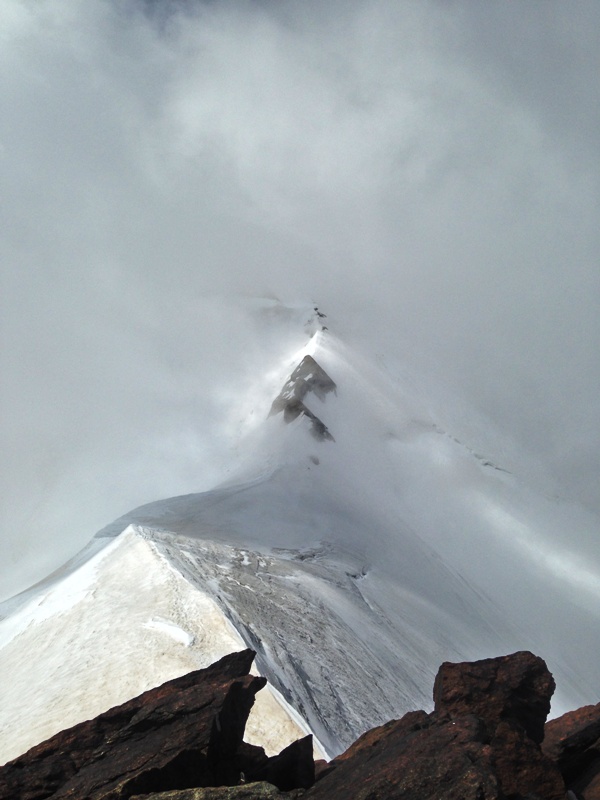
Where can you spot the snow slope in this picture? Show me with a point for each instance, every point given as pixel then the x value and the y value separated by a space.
pixel 122 623
pixel 353 562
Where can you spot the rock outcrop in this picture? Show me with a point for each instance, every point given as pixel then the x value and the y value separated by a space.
pixel 515 688
pixel 308 376
pixel 572 742
pixel 248 791
pixel 480 743
pixel 186 733
pixel 184 741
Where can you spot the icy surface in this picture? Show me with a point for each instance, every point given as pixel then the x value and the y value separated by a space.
pixel 123 623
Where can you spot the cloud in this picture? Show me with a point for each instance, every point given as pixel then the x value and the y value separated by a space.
pixel 428 174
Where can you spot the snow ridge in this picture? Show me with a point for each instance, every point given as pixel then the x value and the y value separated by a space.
pixel 353 568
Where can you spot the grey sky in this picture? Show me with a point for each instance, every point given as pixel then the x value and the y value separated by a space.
pixel 428 173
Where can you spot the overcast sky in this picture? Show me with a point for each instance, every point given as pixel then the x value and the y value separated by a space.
pixel 426 172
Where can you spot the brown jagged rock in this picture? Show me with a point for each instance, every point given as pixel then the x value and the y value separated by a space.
pixel 322 768
pixel 248 791
pixel 476 745
pixel 521 768
pixel 516 687
pixel 413 760
pixel 573 743
pixel 480 743
pixel 185 733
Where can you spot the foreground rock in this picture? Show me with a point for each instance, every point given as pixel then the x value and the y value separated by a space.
pixel 183 741
pixel 186 733
pixel 480 743
pixel 516 688
pixel 573 743
pixel 248 791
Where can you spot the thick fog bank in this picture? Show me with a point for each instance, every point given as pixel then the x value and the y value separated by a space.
pixel 427 174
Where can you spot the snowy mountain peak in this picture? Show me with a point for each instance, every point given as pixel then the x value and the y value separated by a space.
pixel 307 378
pixel 352 582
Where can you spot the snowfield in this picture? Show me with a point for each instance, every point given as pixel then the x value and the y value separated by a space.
pixel 125 622
pixel 354 566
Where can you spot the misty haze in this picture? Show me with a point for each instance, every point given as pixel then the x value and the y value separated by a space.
pixel 301 296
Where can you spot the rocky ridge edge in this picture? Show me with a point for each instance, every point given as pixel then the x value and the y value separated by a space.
pixel 486 739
